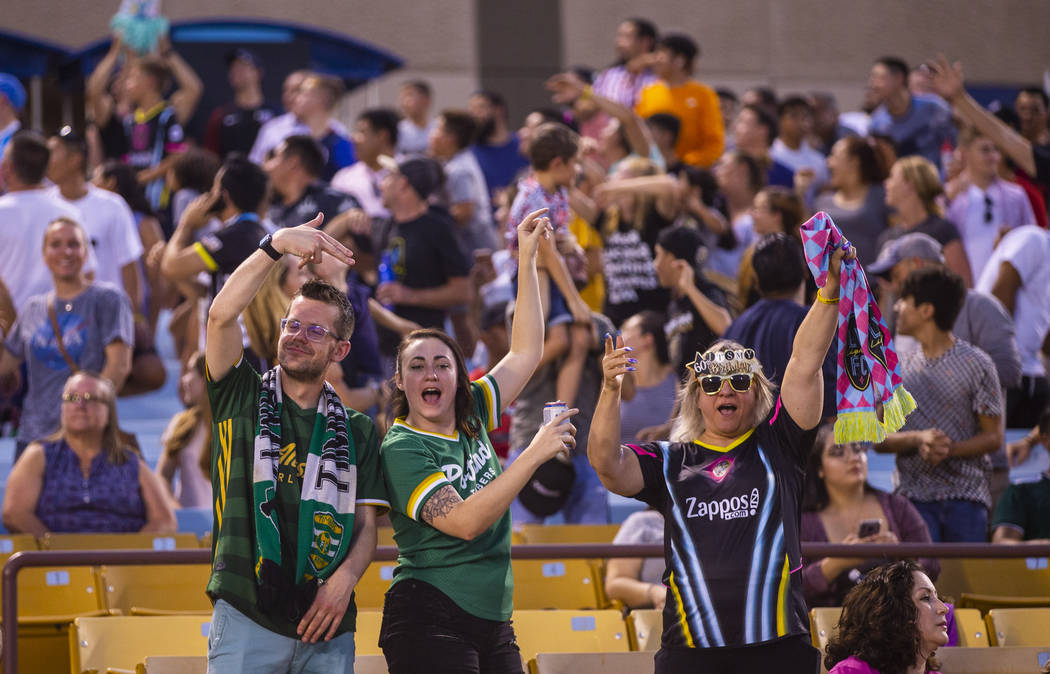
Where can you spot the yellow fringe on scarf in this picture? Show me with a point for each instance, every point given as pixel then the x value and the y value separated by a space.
pixel 858 427
pixel 897 409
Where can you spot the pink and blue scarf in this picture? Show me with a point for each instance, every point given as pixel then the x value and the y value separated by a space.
pixel 869 374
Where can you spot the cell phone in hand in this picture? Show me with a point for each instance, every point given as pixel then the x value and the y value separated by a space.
pixel 869 528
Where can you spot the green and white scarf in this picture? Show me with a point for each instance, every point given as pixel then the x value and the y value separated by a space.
pixel 326 508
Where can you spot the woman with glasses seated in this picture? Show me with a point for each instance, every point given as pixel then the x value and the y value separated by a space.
pixel 840 506
pixel 729 485
pixel 83 478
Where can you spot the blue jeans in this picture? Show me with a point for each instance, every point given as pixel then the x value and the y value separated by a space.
pixel 954 521
pixel 588 502
pixel 237 644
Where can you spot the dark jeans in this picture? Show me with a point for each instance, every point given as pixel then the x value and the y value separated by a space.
pixel 790 655
pixel 954 521
pixel 425 631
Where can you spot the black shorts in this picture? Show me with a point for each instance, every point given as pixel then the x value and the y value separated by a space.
pixel 790 655
pixel 425 631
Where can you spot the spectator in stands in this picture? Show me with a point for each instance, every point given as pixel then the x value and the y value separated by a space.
pixel 1017 274
pixel 768 325
pixel 315 107
pixel 12 100
pixel 870 638
pixel 26 211
pixel 664 129
pixel 857 203
pixel 83 478
pixel 105 217
pixel 1032 158
pixel 192 173
pixel 697 314
pixel 1023 513
pixel 791 147
pixel 754 131
pixel 839 507
pixel 912 189
pixel 277 129
pixel 774 210
pixel 649 391
pixel 413 131
pixel 187 442
pixel 729 104
pixel 282 590
pixel 295 169
pixel 79 325
pixel 1031 105
pixel 762 97
pixel 466 193
pixel 942 446
pixel 702 136
pixel 495 147
pixel 726 442
pixel 233 126
pixel 637 581
pixel 154 130
pixel 827 130
pixel 453 528
pixel 1009 171
pixel 984 206
pixel 739 177
pixel 430 267
pixel 918 124
pixel 374 134
pixel 623 81
pixel 236 197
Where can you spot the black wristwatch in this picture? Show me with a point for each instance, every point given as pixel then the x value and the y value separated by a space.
pixel 266 246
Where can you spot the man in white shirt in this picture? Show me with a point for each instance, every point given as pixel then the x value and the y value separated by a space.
pixel 413 133
pixel 277 129
pixel 375 133
pixel 104 215
pixel 465 188
pixel 791 148
pixel 25 212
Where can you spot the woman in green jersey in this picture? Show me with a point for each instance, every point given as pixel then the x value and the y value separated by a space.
pixel 449 606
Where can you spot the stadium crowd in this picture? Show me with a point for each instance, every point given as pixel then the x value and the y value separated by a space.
pixel 428 280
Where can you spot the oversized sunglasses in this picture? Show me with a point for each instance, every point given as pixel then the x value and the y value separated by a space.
pixel 74 398
pixel 711 384
pixel 314 333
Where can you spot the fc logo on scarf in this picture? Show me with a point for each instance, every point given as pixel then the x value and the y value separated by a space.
pixel 855 364
pixel 327 535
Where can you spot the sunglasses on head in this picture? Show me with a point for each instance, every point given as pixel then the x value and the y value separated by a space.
pixel 711 384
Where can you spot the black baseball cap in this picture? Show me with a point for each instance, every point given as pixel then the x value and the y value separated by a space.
pixel 425 175
pixel 549 488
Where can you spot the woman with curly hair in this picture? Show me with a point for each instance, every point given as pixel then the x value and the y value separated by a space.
pixel 891 623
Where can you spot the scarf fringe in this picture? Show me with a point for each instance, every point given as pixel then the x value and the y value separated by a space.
pixel 858 427
pixel 897 409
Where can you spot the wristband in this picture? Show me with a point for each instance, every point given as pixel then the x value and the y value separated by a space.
pixel 587 91
pixel 825 300
pixel 266 246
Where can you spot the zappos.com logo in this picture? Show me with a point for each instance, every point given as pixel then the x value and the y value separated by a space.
pixel 732 508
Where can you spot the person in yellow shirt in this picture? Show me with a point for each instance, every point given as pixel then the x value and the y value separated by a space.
pixel 702 136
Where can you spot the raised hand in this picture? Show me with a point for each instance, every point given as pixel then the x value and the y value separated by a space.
pixel 309 243
pixel 530 230
pixel 945 78
pixel 616 362
pixel 565 87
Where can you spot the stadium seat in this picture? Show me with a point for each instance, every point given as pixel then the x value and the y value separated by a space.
pixel 369 664
pixel 174 664
pixel 373 585
pixel 1006 577
pixel 557 583
pixel 1003 660
pixel 1019 626
pixel 124 642
pixel 49 594
pixel 366 641
pixel 12 543
pixel 645 626
pixel 823 623
pixel 986 602
pixel 569 533
pixel 569 632
pixel 973 633
pixel 137 541
pixel 158 589
pixel 591 663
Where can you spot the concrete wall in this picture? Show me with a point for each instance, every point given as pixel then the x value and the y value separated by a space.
pixel 461 44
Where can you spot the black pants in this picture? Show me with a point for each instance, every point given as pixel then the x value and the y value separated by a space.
pixel 1025 404
pixel 790 655
pixel 425 631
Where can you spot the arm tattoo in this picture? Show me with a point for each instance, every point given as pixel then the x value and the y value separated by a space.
pixel 440 504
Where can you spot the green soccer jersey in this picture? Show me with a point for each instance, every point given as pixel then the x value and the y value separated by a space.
pixel 235 410
pixel 475 574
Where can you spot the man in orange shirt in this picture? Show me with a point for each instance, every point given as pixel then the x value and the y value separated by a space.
pixel 702 136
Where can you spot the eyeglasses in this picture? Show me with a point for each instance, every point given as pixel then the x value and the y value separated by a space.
pixel 74 398
pixel 711 384
pixel 314 333
pixel 987 208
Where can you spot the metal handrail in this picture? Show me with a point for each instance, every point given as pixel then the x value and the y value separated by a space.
pixel 31 558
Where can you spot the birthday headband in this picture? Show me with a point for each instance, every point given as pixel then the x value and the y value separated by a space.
pixel 724 362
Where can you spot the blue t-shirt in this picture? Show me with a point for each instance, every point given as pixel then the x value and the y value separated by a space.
pixel 769 327
pixel 499 163
pixel 340 155
pixel 921 130
pixel 781 175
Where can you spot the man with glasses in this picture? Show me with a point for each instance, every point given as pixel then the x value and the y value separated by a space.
pixel 296 476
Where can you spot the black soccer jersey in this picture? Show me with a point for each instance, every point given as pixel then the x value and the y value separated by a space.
pixel 731 534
